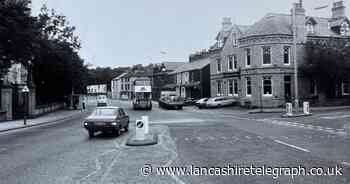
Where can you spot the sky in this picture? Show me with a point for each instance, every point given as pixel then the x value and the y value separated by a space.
pixel 127 32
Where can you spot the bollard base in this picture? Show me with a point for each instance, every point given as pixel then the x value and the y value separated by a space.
pixel 149 140
pixel 295 115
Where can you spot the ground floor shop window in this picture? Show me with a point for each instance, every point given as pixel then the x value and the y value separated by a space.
pixel 235 87
pixel 219 88
pixel 230 87
pixel 248 86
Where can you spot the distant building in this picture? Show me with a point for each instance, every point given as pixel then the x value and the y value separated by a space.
pixel 255 63
pixel 126 83
pixel 193 78
pixel 116 86
pixel 162 79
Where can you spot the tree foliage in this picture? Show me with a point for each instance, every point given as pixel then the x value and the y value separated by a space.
pixel 328 63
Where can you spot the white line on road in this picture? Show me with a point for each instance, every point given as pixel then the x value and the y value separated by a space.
pixel 292 146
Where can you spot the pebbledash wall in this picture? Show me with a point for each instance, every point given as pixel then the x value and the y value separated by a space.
pixel 274 34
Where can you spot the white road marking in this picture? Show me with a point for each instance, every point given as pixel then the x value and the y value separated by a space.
pixel 335 117
pixel 292 146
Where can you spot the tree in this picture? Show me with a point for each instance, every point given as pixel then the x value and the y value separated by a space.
pixel 18 34
pixel 328 63
pixel 58 68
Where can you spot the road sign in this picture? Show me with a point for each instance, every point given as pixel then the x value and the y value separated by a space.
pixel 140 130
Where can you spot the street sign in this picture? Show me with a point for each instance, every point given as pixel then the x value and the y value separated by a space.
pixel 140 130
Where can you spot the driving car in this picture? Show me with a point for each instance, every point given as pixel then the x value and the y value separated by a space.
pixel 221 101
pixel 201 103
pixel 107 119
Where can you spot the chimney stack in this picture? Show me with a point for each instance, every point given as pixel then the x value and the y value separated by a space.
pixel 338 10
pixel 226 23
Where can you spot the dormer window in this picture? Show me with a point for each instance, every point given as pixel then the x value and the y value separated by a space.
pixel 234 40
pixel 344 29
pixel 310 28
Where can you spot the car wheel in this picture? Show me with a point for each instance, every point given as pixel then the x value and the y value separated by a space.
pixel 91 134
pixel 117 132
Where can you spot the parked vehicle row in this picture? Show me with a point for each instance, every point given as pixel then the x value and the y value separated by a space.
pixel 213 102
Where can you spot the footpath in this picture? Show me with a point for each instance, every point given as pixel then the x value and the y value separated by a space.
pixel 45 119
pixel 312 109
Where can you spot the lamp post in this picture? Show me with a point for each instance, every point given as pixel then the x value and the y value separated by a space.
pixel 25 92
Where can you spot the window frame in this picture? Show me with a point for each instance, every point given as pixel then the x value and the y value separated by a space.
pixel 218 92
pixel 289 55
pixel 248 53
pixel 218 63
pixel 230 63
pixel 263 86
pixel 250 86
pixel 235 87
pixel 263 55
pixel 230 86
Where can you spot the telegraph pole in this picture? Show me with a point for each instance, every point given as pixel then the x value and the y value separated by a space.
pixel 296 93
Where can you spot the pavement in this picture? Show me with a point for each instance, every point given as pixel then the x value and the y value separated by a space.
pixel 283 110
pixel 63 153
pixel 47 118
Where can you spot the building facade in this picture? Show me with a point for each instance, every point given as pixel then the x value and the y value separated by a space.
pixel 256 63
pixel 127 83
pixel 193 78
pixel 162 79
pixel 116 86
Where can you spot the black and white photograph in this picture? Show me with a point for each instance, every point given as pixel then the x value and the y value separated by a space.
pixel 174 92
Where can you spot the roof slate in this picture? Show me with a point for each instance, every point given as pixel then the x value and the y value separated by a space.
pixel 195 65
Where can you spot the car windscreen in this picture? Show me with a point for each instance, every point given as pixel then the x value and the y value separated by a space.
pixel 105 112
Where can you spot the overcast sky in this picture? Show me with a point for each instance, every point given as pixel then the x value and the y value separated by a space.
pixel 127 32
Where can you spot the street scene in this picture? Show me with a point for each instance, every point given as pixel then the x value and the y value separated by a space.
pixel 160 93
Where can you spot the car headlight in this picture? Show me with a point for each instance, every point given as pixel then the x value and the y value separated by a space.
pixel 85 123
pixel 114 123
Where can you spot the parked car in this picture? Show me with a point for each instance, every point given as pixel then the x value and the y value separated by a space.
pixel 189 101
pixel 107 119
pixel 124 97
pixel 221 101
pixel 170 100
pixel 202 103
pixel 101 100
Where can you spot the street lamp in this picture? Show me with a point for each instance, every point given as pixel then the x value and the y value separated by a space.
pixel 25 92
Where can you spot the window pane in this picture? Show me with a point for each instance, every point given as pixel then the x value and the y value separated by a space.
pixel 266 55
pixel 248 57
pixel 235 62
pixel 249 87
pixel 286 55
pixel 267 86
pixel 235 87
pixel 230 86
pixel 219 65
pixel 230 64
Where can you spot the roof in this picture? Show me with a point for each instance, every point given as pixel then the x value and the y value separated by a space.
pixel 274 23
pixel 270 24
pixel 195 65
pixel 172 65
pixel 119 76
